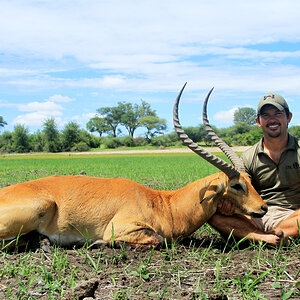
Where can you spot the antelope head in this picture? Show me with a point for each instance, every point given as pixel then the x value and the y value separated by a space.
pixel 237 187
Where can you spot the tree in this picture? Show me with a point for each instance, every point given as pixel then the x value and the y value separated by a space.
pixel 89 140
pixel 239 128
pixel 37 141
pixel 154 125
pixel 70 136
pixel 2 122
pixel 6 142
pixel 51 135
pixel 246 115
pixel 126 114
pixel 132 115
pixel 98 124
pixel 112 117
pixel 197 134
pixel 249 138
pixel 21 139
pixel 295 131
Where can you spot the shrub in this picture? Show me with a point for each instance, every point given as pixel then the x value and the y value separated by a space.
pixel 127 141
pixel 164 140
pixel 111 142
pixel 140 141
pixel 80 147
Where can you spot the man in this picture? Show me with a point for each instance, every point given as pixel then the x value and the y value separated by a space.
pixel 273 166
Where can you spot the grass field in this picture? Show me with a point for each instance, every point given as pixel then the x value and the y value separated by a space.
pixel 203 266
pixel 160 171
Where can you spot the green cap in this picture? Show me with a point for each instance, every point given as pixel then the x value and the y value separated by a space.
pixel 272 99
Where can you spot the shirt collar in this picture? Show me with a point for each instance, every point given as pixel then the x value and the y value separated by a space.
pixel 292 144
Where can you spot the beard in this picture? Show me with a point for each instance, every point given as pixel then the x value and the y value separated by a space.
pixel 274 133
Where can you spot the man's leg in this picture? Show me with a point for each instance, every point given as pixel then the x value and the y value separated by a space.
pixel 291 225
pixel 242 226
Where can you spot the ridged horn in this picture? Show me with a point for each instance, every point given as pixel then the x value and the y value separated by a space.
pixel 232 156
pixel 225 167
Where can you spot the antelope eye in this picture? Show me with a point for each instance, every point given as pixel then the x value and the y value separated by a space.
pixel 237 187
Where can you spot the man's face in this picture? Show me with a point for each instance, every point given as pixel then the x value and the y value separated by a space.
pixel 272 121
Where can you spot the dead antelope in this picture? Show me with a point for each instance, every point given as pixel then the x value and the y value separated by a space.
pixel 74 209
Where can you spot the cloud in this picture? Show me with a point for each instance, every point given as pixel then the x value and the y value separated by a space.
pixel 104 82
pixel 42 107
pixel 148 46
pixel 7 72
pixel 88 116
pixel 35 119
pixel 91 30
pixel 111 47
pixel 225 116
pixel 83 118
pixel 60 98
pixel 38 112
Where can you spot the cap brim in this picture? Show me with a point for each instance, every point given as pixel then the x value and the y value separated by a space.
pixel 277 105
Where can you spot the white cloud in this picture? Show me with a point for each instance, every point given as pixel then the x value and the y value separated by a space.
pixel 7 72
pixel 146 46
pixel 60 98
pixel 104 82
pixel 150 45
pixel 38 112
pixel 88 116
pixel 35 119
pixel 84 118
pixel 90 30
pixel 246 54
pixel 42 107
pixel 225 116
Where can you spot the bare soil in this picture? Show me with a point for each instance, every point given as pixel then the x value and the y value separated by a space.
pixel 122 151
pixel 204 267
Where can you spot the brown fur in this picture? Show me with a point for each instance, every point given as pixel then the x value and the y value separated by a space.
pixel 73 209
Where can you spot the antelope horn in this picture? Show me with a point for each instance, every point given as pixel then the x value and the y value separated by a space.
pixel 233 157
pixel 228 169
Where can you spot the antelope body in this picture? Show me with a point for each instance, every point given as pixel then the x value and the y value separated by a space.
pixel 74 209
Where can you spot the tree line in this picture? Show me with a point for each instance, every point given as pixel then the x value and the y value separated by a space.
pixel 107 124
pixel 130 116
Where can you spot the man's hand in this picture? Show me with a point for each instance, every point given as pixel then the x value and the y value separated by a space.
pixel 226 208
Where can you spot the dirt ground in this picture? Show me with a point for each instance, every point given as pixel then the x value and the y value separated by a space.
pixel 121 151
pixel 196 268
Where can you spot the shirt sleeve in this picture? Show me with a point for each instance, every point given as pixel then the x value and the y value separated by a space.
pixel 247 163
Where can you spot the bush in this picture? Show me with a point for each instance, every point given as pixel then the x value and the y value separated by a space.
pixel 80 147
pixel 7 149
pixel 164 140
pixel 295 131
pixel 140 141
pixel 111 142
pixel 94 142
pixel 127 141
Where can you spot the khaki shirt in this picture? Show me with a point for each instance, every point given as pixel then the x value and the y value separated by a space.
pixel 277 184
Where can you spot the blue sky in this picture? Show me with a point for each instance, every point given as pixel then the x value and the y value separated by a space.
pixel 64 59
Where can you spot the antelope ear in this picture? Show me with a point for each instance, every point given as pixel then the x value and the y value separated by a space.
pixel 210 192
pixel 208 195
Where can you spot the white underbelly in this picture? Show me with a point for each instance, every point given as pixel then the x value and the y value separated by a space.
pixel 65 239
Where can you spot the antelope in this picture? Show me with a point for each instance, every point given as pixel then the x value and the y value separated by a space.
pixel 77 209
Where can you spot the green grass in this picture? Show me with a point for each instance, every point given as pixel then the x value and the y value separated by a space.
pixel 205 268
pixel 160 171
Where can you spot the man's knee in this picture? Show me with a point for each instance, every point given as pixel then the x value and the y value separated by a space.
pixel 216 220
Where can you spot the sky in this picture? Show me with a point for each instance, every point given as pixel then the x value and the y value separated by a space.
pixel 65 59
